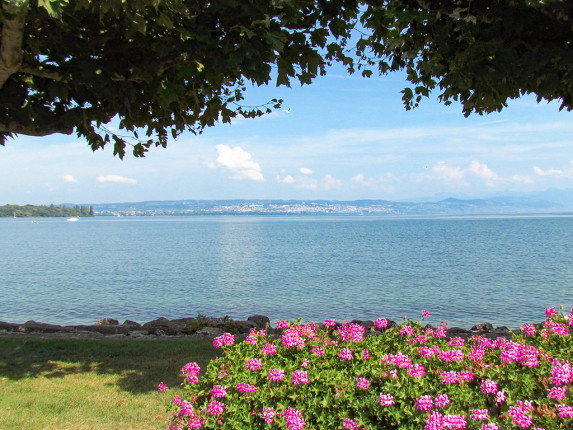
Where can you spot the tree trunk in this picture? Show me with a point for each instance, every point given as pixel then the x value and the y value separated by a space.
pixel 12 34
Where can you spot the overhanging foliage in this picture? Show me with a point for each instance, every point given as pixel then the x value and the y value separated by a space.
pixel 162 67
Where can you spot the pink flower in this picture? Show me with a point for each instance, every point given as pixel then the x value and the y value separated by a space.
pixel 500 397
pixel 299 377
pixel 366 354
pixel 561 372
pixel 407 331
pixel 292 340
pixel 218 391
pixel 386 400
pixel 425 314
pixel 276 375
pixel 196 423
pixel 362 383
pixel 425 403
pixel 520 414
pixel 489 387
pixel 351 332
pixel 305 362
pixel 456 342
pixel 294 420
pixel 192 379
pixel 330 323
pixel 453 355
pixel 162 387
pixel 557 393
pixel 177 400
pixel 269 415
pixel 435 422
pixel 254 364
pixel 491 426
pixel 528 329
pixel 400 360
pixel 269 348
pixel 442 400
pixel 559 328
pixel 426 351
pixel 345 354
pixel 476 353
pixel 246 388
pixel 350 424
pixel 190 369
pixel 550 312
pixel 416 371
pixel 225 339
pixel 565 411
pixel 251 339
pixel 479 414
pixel 215 407
pixel 454 421
pixel 186 408
pixel 316 350
pixel 282 324
pixel 453 377
pixel 380 323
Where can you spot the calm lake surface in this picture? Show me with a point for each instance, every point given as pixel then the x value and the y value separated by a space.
pixel 468 270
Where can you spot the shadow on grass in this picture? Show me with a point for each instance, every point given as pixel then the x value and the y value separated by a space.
pixel 140 364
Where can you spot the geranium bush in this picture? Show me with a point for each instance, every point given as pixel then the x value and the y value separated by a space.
pixel 340 376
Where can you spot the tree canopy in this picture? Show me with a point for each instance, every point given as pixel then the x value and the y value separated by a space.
pixel 162 67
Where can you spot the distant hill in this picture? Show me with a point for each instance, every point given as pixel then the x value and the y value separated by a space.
pixel 514 204
pixel 45 211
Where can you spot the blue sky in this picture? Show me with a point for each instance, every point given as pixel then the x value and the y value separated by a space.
pixel 343 137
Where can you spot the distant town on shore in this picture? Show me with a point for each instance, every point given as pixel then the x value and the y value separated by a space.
pixel 550 201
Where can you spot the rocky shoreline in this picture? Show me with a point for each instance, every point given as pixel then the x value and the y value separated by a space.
pixel 191 328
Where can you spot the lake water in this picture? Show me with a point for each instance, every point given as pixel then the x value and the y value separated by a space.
pixel 503 270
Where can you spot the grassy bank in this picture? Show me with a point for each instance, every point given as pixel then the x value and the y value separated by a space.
pixel 91 384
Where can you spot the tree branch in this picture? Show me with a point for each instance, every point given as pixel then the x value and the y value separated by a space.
pixel 12 34
pixel 31 130
pixel 41 73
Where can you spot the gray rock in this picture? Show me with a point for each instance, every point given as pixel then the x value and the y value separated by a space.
pixel 210 331
pixel 131 325
pixel 9 327
pixel 107 321
pixel 162 326
pixel 483 328
pixel 136 333
pixel 367 324
pixel 260 321
pixel 103 329
pixel 33 326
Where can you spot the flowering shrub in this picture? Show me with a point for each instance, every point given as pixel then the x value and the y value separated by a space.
pixel 409 377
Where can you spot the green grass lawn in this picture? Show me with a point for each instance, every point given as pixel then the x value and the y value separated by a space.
pixel 91 384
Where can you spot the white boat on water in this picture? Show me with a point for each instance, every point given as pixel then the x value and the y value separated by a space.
pixel 73 219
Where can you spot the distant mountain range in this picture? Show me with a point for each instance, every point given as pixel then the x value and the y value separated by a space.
pixel 551 201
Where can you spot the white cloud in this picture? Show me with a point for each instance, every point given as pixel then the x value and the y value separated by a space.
pixel 448 173
pixel 525 179
pixel 238 162
pixel 550 172
pixel 306 183
pixel 117 179
pixel 330 182
pixel 305 171
pixel 358 178
pixel 286 180
pixel 484 172
pixel 377 183
pixel 70 179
